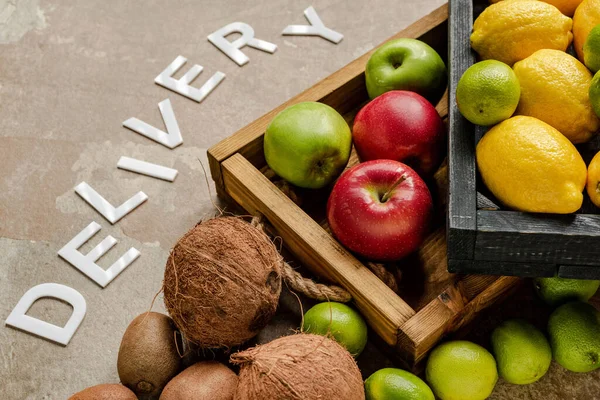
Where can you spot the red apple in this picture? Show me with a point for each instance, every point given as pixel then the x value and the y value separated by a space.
pixel 401 126
pixel 380 209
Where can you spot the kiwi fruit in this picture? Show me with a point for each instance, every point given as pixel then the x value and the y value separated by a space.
pixel 106 391
pixel 205 380
pixel 148 357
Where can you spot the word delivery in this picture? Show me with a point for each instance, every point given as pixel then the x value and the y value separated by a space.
pixel 86 263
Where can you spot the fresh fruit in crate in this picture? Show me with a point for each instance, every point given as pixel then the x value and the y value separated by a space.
pixel 394 383
pixel 574 330
pixel 380 209
pixel 488 93
pixel 586 17
pixel 308 144
pixel 555 89
pixel 591 50
pixel 530 166
pixel 402 126
pixel 148 357
pixel 555 291
pixel 593 180
pixel 522 352
pixel 461 370
pixel 342 322
pixel 406 64
pixel 203 380
pixel 512 30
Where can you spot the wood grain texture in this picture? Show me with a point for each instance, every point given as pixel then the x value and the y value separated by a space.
pixel 423 331
pixel 462 222
pixel 536 238
pixel 344 90
pixel 525 270
pixel 315 248
pixel 450 311
pixel 578 272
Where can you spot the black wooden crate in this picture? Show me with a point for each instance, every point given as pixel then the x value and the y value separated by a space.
pixel 484 238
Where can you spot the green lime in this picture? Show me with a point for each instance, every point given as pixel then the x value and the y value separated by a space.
pixel 595 93
pixel 574 330
pixel 591 50
pixel 556 291
pixel 340 321
pixel 522 352
pixel 461 370
pixel 394 383
pixel 488 93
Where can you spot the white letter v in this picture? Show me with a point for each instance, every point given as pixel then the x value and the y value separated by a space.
pixel 171 139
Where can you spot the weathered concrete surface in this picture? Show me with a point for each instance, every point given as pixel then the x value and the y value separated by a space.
pixel 70 74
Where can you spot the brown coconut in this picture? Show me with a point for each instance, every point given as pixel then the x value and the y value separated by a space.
pixel 148 356
pixel 106 391
pixel 302 366
pixel 222 282
pixel 206 380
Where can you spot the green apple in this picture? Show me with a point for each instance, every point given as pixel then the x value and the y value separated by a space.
pixel 406 64
pixel 308 144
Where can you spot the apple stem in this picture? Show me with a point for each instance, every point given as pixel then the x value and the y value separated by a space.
pixel 386 195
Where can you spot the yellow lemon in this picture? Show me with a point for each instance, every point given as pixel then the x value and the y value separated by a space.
pixel 593 180
pixel 512 30
pixel 566 7
pixel 530 166
pixel 586 17
pixel 555 89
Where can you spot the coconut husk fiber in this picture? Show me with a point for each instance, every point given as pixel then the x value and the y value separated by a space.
pixel 298 367
pixel 222 282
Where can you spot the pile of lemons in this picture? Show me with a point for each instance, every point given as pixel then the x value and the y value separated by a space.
pixel 540 100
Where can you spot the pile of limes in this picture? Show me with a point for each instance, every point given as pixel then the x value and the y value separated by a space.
pixel 461 370
pixel 540 100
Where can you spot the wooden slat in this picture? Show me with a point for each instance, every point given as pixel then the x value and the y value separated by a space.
pixel 315 248
pixel 343 90
pixel 423 331
pixel 448 312
pixel 472 285
pixel 494 292
pixel 462 222
pixel 536 238
pixel 501 268
pixel 579 272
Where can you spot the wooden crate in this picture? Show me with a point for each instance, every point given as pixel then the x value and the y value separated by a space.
pixel 484 238
pixel 429 302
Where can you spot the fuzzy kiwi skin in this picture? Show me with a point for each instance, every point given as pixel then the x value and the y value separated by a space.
pixel 148 357
pixel 106 391
pixel 205 380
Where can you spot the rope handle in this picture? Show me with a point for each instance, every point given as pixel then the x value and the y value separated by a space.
pixel 306 286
